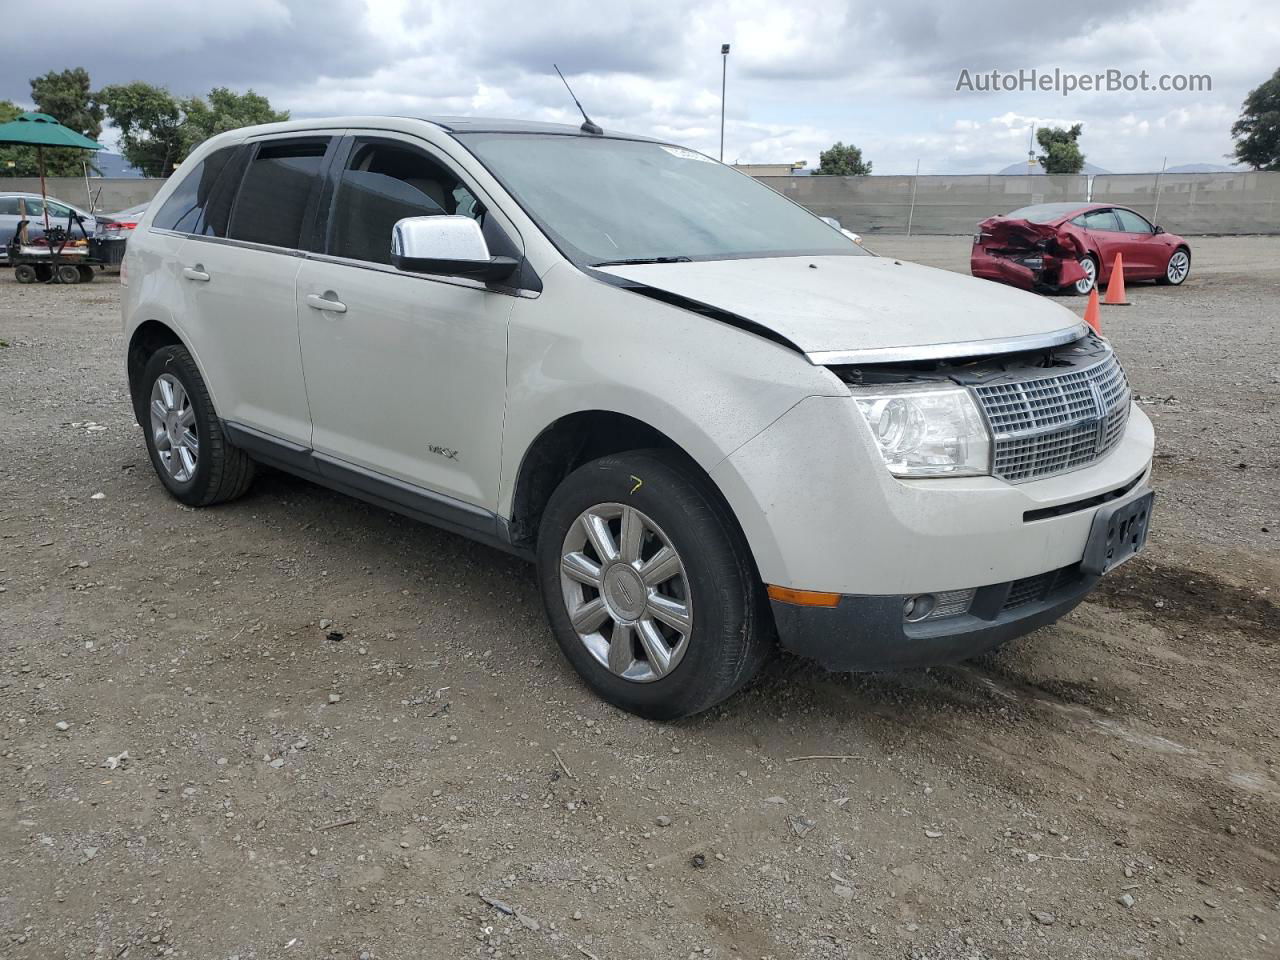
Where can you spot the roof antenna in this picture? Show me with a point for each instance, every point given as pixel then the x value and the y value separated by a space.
pixel 587 125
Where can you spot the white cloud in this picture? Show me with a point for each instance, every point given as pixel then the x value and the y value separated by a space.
pixel 801 76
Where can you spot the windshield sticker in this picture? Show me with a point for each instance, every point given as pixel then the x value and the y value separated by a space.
pixel 684 154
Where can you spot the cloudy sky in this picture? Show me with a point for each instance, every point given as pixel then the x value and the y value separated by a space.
pixel 801 74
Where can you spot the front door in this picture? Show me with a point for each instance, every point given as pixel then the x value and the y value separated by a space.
pixel 1142 247
pixel 406 373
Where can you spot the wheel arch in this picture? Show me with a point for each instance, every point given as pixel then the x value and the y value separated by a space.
pixel 572 440
pixel 148 337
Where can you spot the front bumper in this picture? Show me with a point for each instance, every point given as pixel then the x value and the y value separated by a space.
pixel 869 632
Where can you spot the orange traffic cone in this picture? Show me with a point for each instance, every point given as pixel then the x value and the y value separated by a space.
pixel 1115 286
pixel 1091 312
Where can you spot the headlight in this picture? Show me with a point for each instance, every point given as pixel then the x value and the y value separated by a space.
pixel 928 432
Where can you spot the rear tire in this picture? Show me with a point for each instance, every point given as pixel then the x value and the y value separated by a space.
pixel 191 455
pixel 1081 288
pixel 628 643
pixel 68 273
pixel 86 274
pixel 25 273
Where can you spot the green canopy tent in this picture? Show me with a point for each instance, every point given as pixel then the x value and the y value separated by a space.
pixel 40 130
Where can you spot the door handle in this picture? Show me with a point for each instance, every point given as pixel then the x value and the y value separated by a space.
pixel 196 273
pixel 317 302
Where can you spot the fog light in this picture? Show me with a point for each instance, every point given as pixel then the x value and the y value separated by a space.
pixel 935 606
pixel 917 607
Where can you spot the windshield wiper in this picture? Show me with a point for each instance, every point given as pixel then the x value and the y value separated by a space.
pixel 626 263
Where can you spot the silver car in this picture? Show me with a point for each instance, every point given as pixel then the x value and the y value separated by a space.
pixel 59 214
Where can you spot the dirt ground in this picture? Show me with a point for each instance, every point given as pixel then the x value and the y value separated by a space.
pixel 352 736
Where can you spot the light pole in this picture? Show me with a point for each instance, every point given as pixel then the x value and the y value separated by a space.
pixel 724 72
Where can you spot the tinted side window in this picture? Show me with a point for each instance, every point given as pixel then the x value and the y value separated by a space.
pixel 1101 220
pixel 276 193
pixel 185 206
pixel 1130 222
pixel 383 182
pixel 8 206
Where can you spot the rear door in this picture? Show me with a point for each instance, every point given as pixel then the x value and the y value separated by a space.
pixel 239 272
pixel 8 222
pixel 406 372
pixel 1104 230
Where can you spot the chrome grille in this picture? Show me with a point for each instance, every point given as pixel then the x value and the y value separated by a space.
pixel 1054 424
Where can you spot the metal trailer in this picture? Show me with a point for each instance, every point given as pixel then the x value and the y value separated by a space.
pixel 62 258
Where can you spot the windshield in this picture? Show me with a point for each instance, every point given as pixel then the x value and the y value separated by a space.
pixel 605 201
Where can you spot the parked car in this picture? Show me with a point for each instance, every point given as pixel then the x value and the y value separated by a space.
pixel 708 417
pixel 1072 246
pixel 122 222
pixel 835 224
pixel 59 215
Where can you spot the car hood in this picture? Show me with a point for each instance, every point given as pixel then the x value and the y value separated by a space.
pixel 861 309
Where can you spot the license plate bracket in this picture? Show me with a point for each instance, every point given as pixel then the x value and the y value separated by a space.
pixel 1119 533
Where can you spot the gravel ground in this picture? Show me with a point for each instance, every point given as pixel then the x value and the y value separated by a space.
pixel 350 736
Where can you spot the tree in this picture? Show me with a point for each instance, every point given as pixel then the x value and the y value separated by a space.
pixel 65 95
pixel 157 130
pixel 1061 149
pixel 149 119
pixel 1257 132
pixel 224 110
pixel 842 161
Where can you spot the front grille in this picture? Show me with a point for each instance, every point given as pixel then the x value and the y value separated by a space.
pixel 1036 588
pixel 1054 424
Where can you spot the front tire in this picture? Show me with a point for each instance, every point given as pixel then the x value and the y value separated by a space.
pixel 650 587
pixel 1177 269
pixel 190 454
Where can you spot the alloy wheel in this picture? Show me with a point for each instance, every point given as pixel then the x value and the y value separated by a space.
pixel 173 428
pixel 1179 266
pixel 626 592
pixel 1090 275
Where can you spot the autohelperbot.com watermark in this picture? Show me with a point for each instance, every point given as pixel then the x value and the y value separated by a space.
pixel 1065 82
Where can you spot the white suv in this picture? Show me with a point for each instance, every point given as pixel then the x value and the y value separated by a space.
pixel 710 417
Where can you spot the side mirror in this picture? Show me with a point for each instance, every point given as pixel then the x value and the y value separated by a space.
pixel 1159 229
pixel 447 246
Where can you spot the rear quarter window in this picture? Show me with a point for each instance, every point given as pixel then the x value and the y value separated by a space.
pixel 186 209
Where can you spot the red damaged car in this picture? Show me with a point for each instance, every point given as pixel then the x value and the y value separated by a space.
pixel 1072 246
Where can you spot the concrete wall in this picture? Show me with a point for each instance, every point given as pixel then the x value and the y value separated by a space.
pixel 948 205
pixel 116 194
pixel 1192 203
